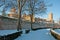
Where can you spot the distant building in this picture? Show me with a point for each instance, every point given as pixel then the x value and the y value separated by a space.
pixel 50 17
pixel 13 13
pixel 28 17
pixel 25 17
pixel 48 20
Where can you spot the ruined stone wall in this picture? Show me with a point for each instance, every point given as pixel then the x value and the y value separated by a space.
pixel 7 23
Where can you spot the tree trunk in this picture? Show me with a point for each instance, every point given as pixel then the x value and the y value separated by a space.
pixel 19 16
pixel 31 21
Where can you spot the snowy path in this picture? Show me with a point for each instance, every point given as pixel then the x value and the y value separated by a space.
pixel 37 35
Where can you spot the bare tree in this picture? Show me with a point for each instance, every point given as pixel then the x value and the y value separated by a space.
pixel 13 3
pixel 3 11
pixel 5 4
pixel 36 7
pixel 2 4
pixel 20 6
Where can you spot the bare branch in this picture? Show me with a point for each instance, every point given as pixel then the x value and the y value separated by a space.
pixel 23 2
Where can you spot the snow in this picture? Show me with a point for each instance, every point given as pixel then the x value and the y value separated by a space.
pixel 42 34
pixel 57 30
pixel 6 32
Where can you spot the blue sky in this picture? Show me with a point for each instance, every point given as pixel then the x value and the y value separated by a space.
pixel 55 9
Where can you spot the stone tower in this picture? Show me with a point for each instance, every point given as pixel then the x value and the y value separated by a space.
pixel 13 13
pixel 28 17
pixel 13 10
pixel 50 17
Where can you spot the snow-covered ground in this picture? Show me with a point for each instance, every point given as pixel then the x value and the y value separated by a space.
pixel 57 30
pixel 43 34
pixel 6 32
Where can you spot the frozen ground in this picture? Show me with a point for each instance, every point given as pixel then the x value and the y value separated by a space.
pixel 57 30
pixel 6 32
pixel 43 34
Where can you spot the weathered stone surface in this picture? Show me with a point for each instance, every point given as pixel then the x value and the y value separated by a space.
pixel 55 34
pixel 7 23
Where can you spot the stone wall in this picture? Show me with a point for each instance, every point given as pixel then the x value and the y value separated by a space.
pixel 7 23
